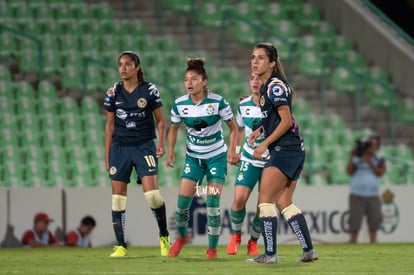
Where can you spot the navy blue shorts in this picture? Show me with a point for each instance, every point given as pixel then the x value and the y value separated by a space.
pixel 123 158
pixel 290 162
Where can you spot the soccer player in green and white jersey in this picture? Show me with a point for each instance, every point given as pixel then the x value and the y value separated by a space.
pixel 249 118
pixel 206 153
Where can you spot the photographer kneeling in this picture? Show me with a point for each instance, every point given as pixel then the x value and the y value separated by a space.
pixel 365 168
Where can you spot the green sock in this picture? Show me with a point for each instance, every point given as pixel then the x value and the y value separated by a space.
pixel 256 229
pixel 213 220
pixel 237 218
pixel 182 214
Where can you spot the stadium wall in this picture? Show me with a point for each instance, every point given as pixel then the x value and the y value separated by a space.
pixel 375 40
pixel 324 206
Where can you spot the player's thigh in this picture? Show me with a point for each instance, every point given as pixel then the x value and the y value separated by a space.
pixel 193 170
pixel 248 175
pixel 286 197
pixel 272 183
pixel 145 160
pixel 216 169
pixel 120 163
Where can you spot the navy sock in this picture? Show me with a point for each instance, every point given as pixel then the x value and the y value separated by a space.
pixel 118 223
pixel 299 226
pixel 161 217
pixel 269 227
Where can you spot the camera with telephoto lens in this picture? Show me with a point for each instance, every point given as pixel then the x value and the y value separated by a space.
pixel 361 147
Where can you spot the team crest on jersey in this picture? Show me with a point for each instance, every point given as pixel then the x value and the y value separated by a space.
pixel 112 170
pixel 261 100
pixel 142 102
pixel 210 109
pixel 277 90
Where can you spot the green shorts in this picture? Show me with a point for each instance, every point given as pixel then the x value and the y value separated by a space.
pixel 215 169
pixel 248 175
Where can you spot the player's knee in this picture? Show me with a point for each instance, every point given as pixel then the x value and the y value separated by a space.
pixel 267 210
pixel 154 198
pixel 118 202
pixel 290 211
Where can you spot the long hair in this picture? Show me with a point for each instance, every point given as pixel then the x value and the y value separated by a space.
pixel 135 57
pixel 278 70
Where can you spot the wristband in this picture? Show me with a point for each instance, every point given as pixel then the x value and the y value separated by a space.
pixel 237 149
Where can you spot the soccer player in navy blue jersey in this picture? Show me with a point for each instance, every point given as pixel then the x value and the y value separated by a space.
pixel 130 131
pixel 286 155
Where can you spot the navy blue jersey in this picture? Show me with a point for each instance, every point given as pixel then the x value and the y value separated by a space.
pixel 134 121
pixel 273 94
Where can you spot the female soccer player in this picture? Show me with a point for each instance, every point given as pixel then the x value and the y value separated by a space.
pixel 131 106
pixel 249 117
pixel 202 113
pixel 286 158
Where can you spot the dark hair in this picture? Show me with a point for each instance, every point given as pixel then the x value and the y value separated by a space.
pixel 88 220
pixel 272 54
pixel 376 137
pixel 197 65
pixel 135 57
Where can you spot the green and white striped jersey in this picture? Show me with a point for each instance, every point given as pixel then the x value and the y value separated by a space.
pixel 203 122
pixel 249 117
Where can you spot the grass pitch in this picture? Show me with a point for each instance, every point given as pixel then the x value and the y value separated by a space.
pixel 342 259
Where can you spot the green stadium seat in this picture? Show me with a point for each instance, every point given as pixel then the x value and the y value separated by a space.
pixel 337 173
pixel 81 10
pixel 69 42
pixel 340 46
pixel 28 121
pixel 89 105
pixel 5 73
pixel 40 10
pixel 379 74
pixel 179 6
pixel 379 95
pixel 318 180
pixel 8 45
pixel 169 43
pixel 30 26
pixel 71 57
pixel 291 5
pixel 406 110
pixel 61 10
pixel 245 33
pixel 286 29
pixel 324 31
pixel 343 80
pixel 51 61
pixel 5 88
pixel 102 11
pixel 52 27
pixel 51 136
pixel 310 63
pixel 274 13
pixel 28 60
pixel 355 60
pixel 245 9
pixel 24 89
pixel 307 16
pixel 71 78
pixel 211 13
pixel 309 43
